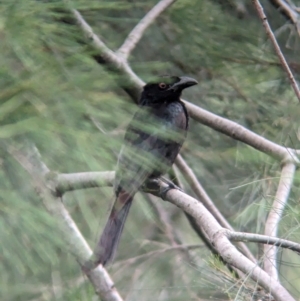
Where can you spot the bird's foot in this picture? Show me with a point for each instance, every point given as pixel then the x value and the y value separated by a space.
pixel 170 183
pixel 163 191
pixel 154 186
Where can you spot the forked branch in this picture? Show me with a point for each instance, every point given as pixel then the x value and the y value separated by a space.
pixel 85 180
pixel 219 239
pixel 288 10
pixel 98 276
pixel 285 66
pixel 200 192
pixel 220 124
pixel 29 159
pixel 136 34
pixel 272 223
pixel 264 239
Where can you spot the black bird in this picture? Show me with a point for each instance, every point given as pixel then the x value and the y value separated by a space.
pixel 152 141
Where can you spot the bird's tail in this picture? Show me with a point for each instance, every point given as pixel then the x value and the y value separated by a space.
pixel 111 234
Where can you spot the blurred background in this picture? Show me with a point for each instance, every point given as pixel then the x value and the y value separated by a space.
pixel 54 93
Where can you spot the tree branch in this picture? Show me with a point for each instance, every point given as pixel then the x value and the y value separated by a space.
pixel 136 34
pixel 107 54
pixel 165 221
pixel 94 178
pixel 174 175
pixel 133 260
pixel 271 227
pixel 99 277
pixel 263 17
pixel 269 240
pixel 218 238
pixel 234 130
pixel 220 124
pixel 200 192
pixel 238 132
pixel 130 82
pixel 77 245
pixel 287 10
pixel 82 180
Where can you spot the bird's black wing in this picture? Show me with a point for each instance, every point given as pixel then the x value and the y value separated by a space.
pixel 150 150
pixel 152 142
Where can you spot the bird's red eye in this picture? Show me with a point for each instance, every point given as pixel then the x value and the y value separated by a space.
pixel 162 85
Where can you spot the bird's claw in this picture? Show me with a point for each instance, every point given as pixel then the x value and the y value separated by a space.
pixel 170 183
pixel 163 192
pixel 154 186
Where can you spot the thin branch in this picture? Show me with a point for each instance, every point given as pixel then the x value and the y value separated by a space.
pixel 45 292
pixel 232 129
pixel 269 240
pixel 135 259
pixel 287 10
pixel 76 243
pixel 280 55
pixel 82 180
pixel 130 82
pixel 99 277
pixel 164 219
pixel 217 234
pixel 136 34
pixel 70 182
pixel 238 132
pixel 171 233
pixel 223 125
pixel 219 237
pixel 271 226
pixel 107 54
pixel 200 192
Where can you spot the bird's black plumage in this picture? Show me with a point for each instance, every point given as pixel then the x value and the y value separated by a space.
pixel 152 141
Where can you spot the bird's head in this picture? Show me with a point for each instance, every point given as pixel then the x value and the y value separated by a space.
pixel 165 89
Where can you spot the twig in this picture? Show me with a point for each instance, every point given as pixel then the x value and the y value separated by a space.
pixel 77 245
pixel 269 240
pixel 223 125
pixel 280 55
pixel 238 132
pixel 133 260
pixel 200 192
pixel 177 244
pixel 288 11
pixel 170 231
pixel 68 182
pixel 271 227
pixel 99 277
pixel 133 83
pixel 46 291
pixel 136 34
pixel 164 219
pixel 223 245
pixel 82 180
pixel 96 42
pixel 214 230
pixel 175 176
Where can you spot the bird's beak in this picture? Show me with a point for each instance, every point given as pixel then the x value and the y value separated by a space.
pixel 184 82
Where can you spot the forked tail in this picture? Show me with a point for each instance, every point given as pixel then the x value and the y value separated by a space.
pixel 110 238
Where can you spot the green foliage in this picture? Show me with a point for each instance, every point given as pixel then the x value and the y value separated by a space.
pixel 54 93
